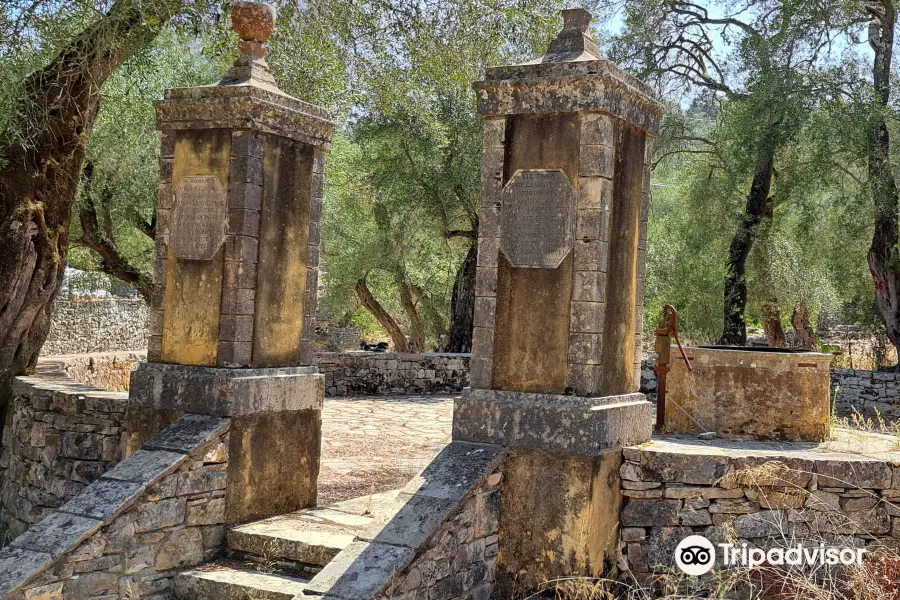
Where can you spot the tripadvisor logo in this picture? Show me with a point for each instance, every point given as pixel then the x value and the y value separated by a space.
pixel 696 555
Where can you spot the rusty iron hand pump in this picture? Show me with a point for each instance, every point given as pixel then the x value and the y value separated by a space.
pixel 664 337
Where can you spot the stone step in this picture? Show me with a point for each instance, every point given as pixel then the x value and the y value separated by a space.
pixel 228 580
pixel 312 536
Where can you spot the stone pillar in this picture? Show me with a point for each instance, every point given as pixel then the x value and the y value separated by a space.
pixel 237 254
pixel 559 294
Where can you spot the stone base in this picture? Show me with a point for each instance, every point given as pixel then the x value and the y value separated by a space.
pixel 559 518
pixel 567 424
pixel 223 392
pixel 560 488
pixel 276 428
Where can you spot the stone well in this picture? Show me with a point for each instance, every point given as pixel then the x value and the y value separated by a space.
pixel 759 394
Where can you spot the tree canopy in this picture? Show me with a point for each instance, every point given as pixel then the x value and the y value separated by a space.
pixel 772 204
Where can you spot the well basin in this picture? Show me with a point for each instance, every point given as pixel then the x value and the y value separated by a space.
pixel 755 394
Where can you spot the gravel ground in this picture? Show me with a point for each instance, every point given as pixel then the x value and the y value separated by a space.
pixel 376 444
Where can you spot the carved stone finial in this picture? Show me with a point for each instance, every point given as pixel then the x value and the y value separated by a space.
pixel 254 22
pixel 576 19
pixel 574 41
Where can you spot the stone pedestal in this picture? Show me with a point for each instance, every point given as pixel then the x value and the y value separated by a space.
pixel 559 294
pixel 234 298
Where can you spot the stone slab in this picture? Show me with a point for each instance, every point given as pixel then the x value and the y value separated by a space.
pixel 144 466
pixel 224 391
pixel 201 212
pixel 292 537
pixel 227 582
pixel 18 565
pixel 751 395
pixel 187 433
pixel 361 571
pixel 57 534
pixel 411 522
pixel 104 499
pixel 569 424
pixel 456 471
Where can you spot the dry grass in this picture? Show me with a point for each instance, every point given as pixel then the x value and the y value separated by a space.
pixel 879 424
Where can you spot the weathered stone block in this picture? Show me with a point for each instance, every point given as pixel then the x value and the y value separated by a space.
pixel 360 571
pixel 549 422
pixel 696 469
pixel 56 533
pixel 854 473
pixel 182 548
pixel 650 513
pixel 220 391
pixel 455 471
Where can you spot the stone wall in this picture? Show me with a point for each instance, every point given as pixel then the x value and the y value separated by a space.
pixel 744 494
pixel 130 532
pixel 109 371
pixel 92 325
pixel 866 392
pixel 59 437
pixel 353 373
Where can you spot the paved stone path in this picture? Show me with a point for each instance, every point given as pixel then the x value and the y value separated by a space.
pixel 375 444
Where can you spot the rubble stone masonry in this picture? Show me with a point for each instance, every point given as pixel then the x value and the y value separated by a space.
pixel 765 499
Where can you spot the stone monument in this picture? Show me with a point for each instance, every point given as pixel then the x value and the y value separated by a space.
pixel 234 299
pixel 559 292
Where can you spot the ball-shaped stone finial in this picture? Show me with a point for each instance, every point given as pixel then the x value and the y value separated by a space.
pixel 253 21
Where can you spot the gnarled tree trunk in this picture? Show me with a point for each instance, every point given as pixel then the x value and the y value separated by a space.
pixel 416 327
pixel 462 304
pixel 759 206
pixel 883 258
pixel 805 336
pixel 97 234
pixel 383 317
pixel 771 316
pixel 39 181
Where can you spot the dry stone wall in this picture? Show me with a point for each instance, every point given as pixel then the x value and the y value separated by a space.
pixel 130 532
pixel 60 437
pixel 763 501
pixel 92 325
pixel 352 373
pixel 868 393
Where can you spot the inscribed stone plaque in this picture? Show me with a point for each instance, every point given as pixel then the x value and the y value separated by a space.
pixel 201 212
pixel 537 221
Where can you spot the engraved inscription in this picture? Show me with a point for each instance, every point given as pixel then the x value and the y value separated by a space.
pixel 198 223
pixel 537 220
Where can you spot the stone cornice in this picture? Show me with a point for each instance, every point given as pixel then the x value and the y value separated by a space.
pixel 251 107
pixel 580 85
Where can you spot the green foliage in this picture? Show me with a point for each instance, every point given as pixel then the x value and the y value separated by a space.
pixel 407 172
pixel 124 148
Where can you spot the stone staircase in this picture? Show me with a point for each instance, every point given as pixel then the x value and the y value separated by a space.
pixel 274 559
